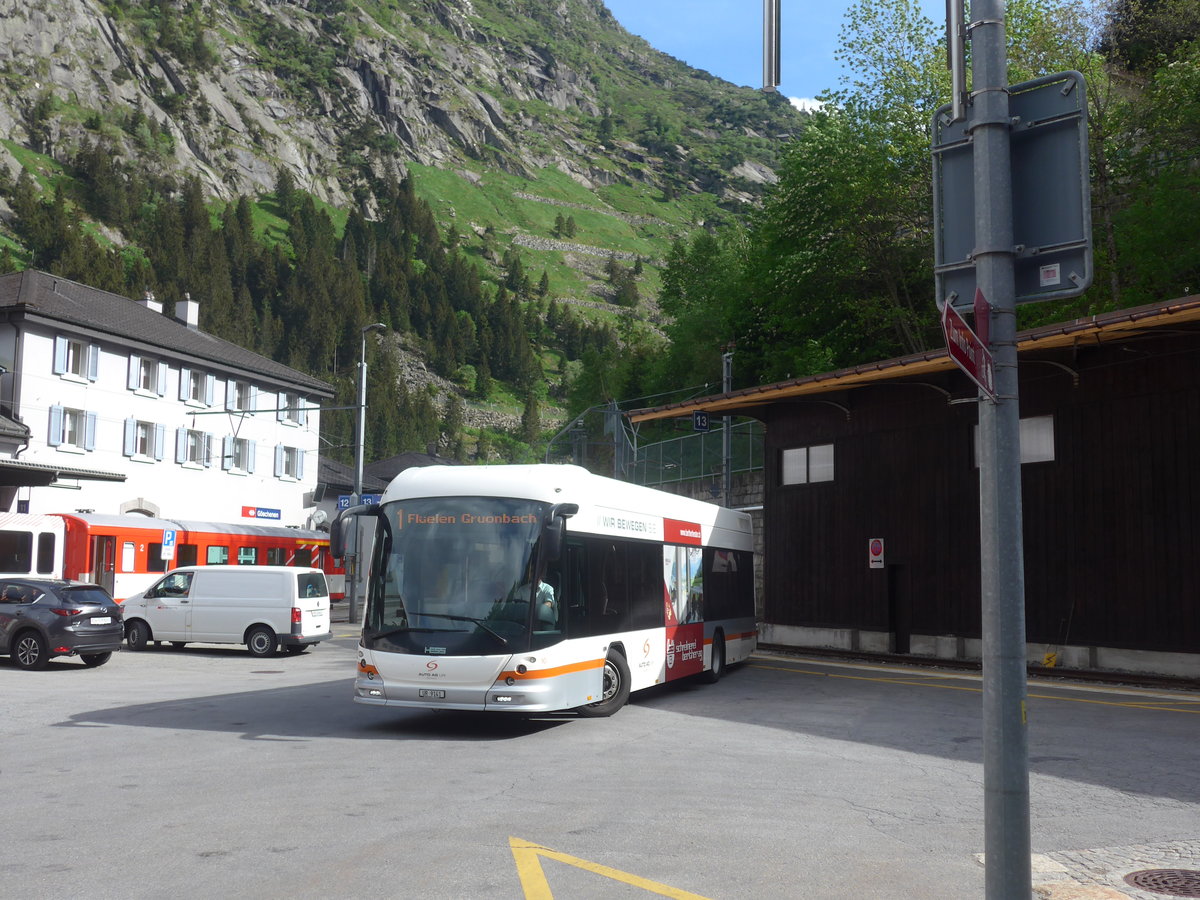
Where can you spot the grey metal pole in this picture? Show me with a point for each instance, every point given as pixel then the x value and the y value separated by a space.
pixel 359 447
pixel 1005 742
pixel 727 425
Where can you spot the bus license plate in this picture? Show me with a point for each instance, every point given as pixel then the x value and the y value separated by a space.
pixel 431 694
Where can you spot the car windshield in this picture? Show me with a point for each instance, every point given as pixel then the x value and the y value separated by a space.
pixel 453 576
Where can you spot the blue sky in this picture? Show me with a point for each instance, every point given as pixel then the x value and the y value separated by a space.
pixel 724 37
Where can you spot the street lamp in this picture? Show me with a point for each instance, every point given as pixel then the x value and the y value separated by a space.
pixel 359 443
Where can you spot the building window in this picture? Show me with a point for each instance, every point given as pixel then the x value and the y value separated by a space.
pixel 76 358
pixel 291 409
pixel 239 396
pixel 806 465
pixel 237 455
pixel 192 447
pixel 1036 438
pixel 196 387
pixel 72 428
pixel 144 439
pixel 289 462
pixel 147 376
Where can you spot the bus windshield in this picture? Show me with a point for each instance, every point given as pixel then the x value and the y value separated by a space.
pixel 459 576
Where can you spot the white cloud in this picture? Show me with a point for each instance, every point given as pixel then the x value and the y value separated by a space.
pixel 805 105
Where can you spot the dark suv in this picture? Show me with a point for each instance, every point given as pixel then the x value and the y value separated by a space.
pixel 45 617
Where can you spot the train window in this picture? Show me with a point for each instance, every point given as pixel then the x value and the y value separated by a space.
pixel 16 551
pixel 217 555
pixel 304 557
pixel 247 556
pixel 276 556
pixel 154 560
pixel 45 553
pixel 185 555
pixel 128 560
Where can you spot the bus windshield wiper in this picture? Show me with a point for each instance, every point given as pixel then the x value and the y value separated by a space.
pixel 503 640
pixel 405 628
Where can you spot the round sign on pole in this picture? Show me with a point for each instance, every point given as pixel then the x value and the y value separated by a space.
pixel 875 553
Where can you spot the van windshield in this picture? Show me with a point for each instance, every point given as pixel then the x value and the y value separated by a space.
pixel 453 575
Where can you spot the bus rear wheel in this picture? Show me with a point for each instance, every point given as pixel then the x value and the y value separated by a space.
pixel 716 666
pixel 616 687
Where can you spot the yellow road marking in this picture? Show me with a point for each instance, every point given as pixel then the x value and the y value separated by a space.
pixel 1158 706
pixel 536 887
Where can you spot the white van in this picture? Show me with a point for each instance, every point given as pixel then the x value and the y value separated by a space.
pixel 259 606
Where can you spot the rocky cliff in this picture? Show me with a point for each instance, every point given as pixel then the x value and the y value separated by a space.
pixel 343 91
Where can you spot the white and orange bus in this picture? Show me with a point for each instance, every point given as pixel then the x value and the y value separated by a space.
pixel 124 554
pixel 545 587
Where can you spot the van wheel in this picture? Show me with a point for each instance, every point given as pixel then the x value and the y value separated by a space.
pixel 616 688
pixel 137 635
pixel 29 651
pixel 295 649
pixel 261 641
pixel 716 667
pixel 91 660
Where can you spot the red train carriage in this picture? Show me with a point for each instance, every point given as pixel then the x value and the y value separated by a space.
pixel 125 553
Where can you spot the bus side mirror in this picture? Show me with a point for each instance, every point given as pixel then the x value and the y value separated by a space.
pixel 346 519
pixel 556 526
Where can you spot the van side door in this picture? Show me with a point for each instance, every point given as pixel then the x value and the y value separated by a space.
pixel 169 607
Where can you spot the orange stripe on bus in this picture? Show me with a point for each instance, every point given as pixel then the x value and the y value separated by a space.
pixel 555 672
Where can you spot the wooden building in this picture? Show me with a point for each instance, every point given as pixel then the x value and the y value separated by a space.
pixel 1110 420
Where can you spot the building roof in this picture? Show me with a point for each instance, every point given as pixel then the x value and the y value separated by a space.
pixel 12 428
pixel 338 477
pixel 19 473
pixel 387 469
pixel 1091 330
pixel 38 296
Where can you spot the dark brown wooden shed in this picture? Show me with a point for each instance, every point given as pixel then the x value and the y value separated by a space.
pixel 1110 410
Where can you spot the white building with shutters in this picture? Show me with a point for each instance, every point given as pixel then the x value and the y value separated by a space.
pixel 200 428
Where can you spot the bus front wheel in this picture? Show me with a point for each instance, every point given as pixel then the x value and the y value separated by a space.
pixel 616 687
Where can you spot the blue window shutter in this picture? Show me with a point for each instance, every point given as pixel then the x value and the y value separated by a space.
pixel 299 464
pixel 227 452
pixel 301 412
pixel 160 438
pixel 180 445
pixel 278 460
pixel 89 431
pixel 210 383
pixel 54 437
pixel 93 362
pixel 281 407
pixel 130 437
pixel 230 393
pixel 162 379
pixel 60 355
pixel 208 449
pixel 253 398
pixel 185 383
pixel 135 365
pixel 250 455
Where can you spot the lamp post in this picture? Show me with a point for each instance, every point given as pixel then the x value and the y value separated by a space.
pixel 359 445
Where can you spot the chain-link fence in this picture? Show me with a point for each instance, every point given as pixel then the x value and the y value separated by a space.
pixel 699 455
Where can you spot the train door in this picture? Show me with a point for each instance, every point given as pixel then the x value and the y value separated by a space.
pixel 104 561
